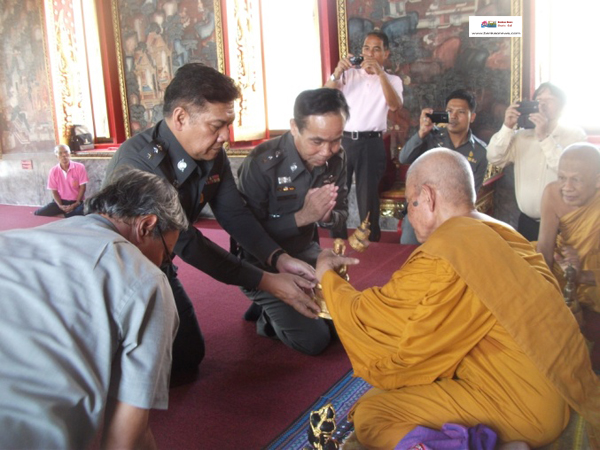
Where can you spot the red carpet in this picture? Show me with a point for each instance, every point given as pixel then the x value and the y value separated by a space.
pixel 249 389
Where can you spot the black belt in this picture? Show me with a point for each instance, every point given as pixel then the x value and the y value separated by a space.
pixel 355 135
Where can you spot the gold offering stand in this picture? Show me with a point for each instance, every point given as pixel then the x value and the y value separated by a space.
pixel 359 241
pixel 322 421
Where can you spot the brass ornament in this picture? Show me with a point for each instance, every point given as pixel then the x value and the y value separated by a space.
pixel 359 241
pixel 321 428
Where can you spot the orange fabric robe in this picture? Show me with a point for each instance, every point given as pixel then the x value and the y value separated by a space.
pixel 465 332
pixel 581 229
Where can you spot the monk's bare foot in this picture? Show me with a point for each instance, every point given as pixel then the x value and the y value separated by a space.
pixel 514 445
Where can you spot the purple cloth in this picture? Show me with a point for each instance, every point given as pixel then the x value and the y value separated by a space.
pixel 451 437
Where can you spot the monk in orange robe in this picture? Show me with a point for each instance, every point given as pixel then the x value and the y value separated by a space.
pixel 570 223
pixel 471 329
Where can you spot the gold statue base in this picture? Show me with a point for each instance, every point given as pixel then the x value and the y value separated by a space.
pixel 359 241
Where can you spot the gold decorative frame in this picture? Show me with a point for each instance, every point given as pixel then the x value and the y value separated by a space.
pixel 516 48
pixel 516 56
pixel 392 206
pixel 42 9
pixel 219 42
pixel 121 65
pixel 342 28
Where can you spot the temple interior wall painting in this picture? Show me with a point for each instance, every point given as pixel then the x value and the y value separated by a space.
pixel 431 51
pixel 26 118
pixel 158 37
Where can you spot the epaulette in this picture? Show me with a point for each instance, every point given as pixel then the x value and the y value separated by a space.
pixel 270 158
pixel 479 141
pixel 153 153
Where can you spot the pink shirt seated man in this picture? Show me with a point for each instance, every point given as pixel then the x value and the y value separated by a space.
pixel 67 181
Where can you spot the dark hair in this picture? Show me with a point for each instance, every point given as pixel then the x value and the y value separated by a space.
pixel 465 95
pixel 554 90
pixel 133 193
pixel 381 35
pixel 195 84
pixel 317 102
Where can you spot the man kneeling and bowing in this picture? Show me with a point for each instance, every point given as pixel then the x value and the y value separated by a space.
pixel 471 329
pixel 293 184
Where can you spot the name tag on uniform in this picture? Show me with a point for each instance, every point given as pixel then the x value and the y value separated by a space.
pixel 213 179
pixel 284 180
pixel 286 189
pixel 287 197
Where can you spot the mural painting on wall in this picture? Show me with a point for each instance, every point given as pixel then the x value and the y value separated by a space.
pixel 158 37
pixel 431 51
pixel 26 121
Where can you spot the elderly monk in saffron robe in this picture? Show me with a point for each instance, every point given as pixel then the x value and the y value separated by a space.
pixel 471 329
pixel 570 223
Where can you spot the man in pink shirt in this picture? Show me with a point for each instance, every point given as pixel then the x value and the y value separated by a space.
pixel 370 93
pixel 67 181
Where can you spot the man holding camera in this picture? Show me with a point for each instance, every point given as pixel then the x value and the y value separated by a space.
pixel 457 136
pixel 534 151
pixel 370 93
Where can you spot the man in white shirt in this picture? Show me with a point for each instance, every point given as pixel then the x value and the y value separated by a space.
pixel 370 92
pixel 535 152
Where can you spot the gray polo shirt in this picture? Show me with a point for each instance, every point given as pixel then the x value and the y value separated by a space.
pixel 83 315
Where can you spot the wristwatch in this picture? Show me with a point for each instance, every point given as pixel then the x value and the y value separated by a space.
pixel 332 77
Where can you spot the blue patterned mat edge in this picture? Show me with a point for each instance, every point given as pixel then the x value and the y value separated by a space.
pixel 343 395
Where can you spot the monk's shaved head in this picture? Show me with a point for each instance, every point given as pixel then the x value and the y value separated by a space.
pixel 448 172
pixel 586 153
pixel 579 173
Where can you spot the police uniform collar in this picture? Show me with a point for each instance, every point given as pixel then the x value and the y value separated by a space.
pixel 293 159
pixel 470 137
pixel 182 163
pixel 442 132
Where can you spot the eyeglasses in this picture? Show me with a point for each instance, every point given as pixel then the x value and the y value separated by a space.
pixel 167 259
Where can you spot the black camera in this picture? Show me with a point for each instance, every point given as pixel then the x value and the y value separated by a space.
pixel 439 117
pixel 527 107
pixel 356 60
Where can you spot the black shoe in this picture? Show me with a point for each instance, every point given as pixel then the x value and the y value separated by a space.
pixel 375 236
pixel 253 313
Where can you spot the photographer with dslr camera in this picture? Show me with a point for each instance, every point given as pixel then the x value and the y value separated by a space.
pixel 534 146
pixel 370 93
pixel 457 136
